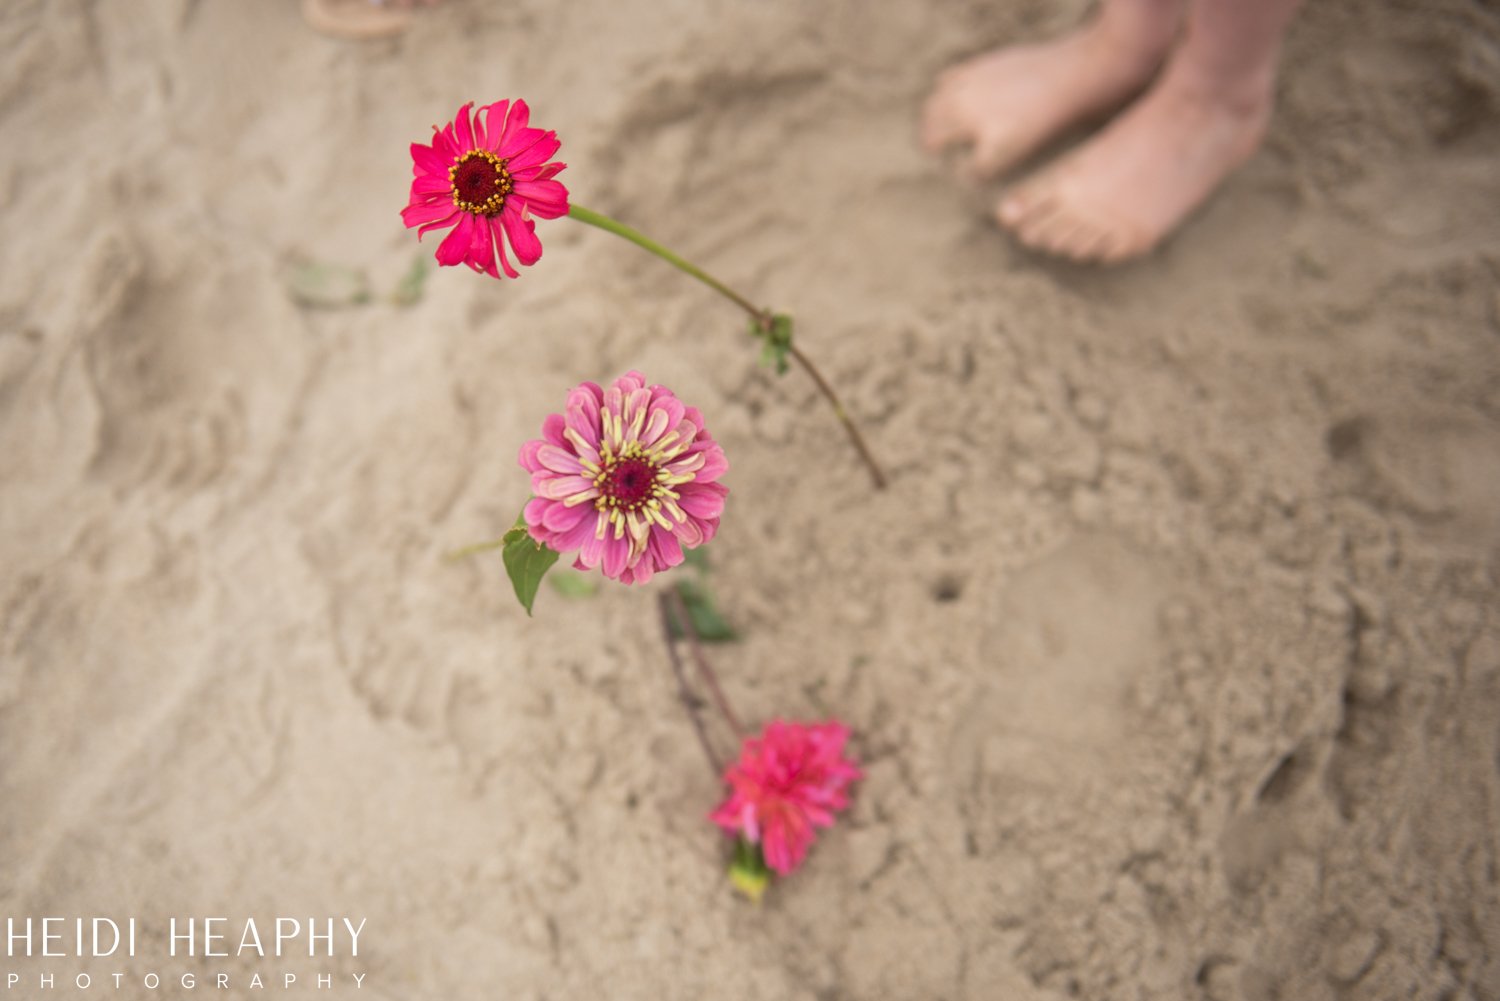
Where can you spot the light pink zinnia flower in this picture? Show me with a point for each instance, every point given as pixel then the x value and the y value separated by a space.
pixel 486 179
pixel 626 477
pixel 788 781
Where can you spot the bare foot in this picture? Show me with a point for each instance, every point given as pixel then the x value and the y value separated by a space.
pixel 358 19
pixel 1011 102
pixel 1135 182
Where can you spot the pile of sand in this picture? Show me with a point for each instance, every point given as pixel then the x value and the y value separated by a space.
pixel 1172 650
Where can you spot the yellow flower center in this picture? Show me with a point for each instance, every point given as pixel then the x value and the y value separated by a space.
pixel 630 482
pixel 480 182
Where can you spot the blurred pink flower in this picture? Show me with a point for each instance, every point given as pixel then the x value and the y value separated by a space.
pixel 486 179
pixel 626 477
pixel 788 781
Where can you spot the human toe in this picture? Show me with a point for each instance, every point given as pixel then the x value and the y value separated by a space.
pixel 1053 233
pixel 992 154
pixel 942 123
pixel 354 19
pixel 1025 204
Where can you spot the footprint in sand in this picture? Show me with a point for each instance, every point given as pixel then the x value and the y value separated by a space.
pixel 1438 466
pixel 1070 634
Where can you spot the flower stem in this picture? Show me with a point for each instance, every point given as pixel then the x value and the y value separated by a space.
pixel 762 318
pixel 705 671
pixel 453 555
pixel 640 239
pixel 876 473
pixel 690 702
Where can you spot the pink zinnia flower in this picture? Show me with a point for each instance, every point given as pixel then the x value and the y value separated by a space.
pixel 486 179
pixel 788 781
pixel 626 477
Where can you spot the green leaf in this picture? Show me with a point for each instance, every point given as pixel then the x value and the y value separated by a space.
pixel 696 558
pixel 323 285
pixel 747 870
pixel 781 329
pixel 781 340
pixel 409 289
pixel 574 585
pixel 710 626
pixel 778 342
pixel 527 562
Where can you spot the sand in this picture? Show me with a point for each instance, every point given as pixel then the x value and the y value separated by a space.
pixel 1172 651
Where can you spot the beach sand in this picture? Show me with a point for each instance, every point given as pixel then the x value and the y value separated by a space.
pixel 1172 650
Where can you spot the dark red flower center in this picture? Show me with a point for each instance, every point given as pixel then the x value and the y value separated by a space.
pixel 629 483
pixel 480 182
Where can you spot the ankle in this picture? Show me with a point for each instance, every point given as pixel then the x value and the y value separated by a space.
pixel 1134 34
pixel 1246 90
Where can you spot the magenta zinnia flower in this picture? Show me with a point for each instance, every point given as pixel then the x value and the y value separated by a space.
pixel 486 179
pixel 788 781
pixel 626 477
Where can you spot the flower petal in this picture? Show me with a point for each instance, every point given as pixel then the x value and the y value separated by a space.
pixel 455 246
pixel 560 460
pixel 528 456
pixel 710 528
pixel 535 511
pixel 518 141
pixel 592 550
pixel 494 120
pixel 482 250
pixel 463 132
pixel 543 199
pixel 583 418
pixel 522 234
pixel 431 184
pixel 634 413
pixel 494 224
pixel 516 120
pixel 689 534
pixel 639 572
pixel 714 465
pixel 479 131
pixel 630 382
pixel 552 430
pixel 440 224
pixel 702 504
pixel 535 153
pixel 580 532
pixel 559 487
pixel 817 816
pixel 655 426
pixel 417 214
pixel 443 144
pixel 425 159
pixel 562 519
pixel 616 553
pixel 778 852
pixel 665 550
